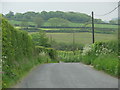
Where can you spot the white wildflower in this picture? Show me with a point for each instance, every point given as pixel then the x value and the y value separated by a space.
pixel 86 49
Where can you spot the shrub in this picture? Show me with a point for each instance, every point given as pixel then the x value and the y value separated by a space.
pixel 50 51
pixel 69 56
pixel 103 56
pixel 40 39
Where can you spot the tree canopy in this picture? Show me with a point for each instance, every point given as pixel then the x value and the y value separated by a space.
pixel 58 22
pixel 75 17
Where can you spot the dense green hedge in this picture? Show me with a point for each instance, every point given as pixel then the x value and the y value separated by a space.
pixel 19 54
pixel 50 51
pixel 17 48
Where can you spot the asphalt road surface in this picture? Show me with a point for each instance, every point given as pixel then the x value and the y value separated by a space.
pixel 67 75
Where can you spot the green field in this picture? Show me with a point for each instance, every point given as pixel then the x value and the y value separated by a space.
pixel 70 24
pixel 89 25
pixel 19 22
pixel 80 38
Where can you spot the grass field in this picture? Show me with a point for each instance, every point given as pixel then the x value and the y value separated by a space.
pixel 89 25
pixel 71 24
pixel 19 22
pixel 80 38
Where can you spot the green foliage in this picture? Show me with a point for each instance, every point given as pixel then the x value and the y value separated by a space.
pixel 103 56
pixel 70 16
pixel 66 46
pixel 43 54
pixel 71 24
pixel 58 22
pixel 19 54
pixel 109 63
pixel 40 39
pixel 81 38
pixel 38 21
pixel 50 51
pixel 10 15
pixel 17 48
pixel 18 23
pixel 24 24
pixel 105 47
pixel 0 52
pixel 113 21
pixel 69 56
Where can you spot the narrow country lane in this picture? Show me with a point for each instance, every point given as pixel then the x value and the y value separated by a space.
pixel 67 75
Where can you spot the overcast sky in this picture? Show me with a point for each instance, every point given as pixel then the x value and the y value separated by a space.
pixel 99 7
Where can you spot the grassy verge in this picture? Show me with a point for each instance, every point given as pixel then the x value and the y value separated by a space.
pixel 108 63
pixel 101 55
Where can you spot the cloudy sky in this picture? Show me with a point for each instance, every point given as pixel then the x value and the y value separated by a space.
pixel 99 7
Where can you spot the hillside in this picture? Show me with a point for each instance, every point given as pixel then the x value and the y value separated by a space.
pixel 35 21
pixel 44 16
pixel 29 16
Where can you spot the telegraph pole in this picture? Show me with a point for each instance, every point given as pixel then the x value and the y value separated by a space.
pixel 73 42
pixel 93 37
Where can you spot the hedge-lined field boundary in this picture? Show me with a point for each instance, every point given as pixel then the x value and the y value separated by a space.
pixel 19 54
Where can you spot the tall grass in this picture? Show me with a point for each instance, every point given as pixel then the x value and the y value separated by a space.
pixel 102 55
pixel 109 63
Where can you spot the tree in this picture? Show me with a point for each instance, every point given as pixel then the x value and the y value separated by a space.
pixel 98 21
pixel 113 21
pixel 24 24
pixel 58 22
pixel 10 15
pixel 18 17
pixel 40 39
pixel 39 17
pixel 38 21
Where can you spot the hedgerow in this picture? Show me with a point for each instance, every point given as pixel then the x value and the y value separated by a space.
pixel 19 54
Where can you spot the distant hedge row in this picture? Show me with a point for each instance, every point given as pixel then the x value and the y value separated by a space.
pixel 19 54
pixel 71 30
